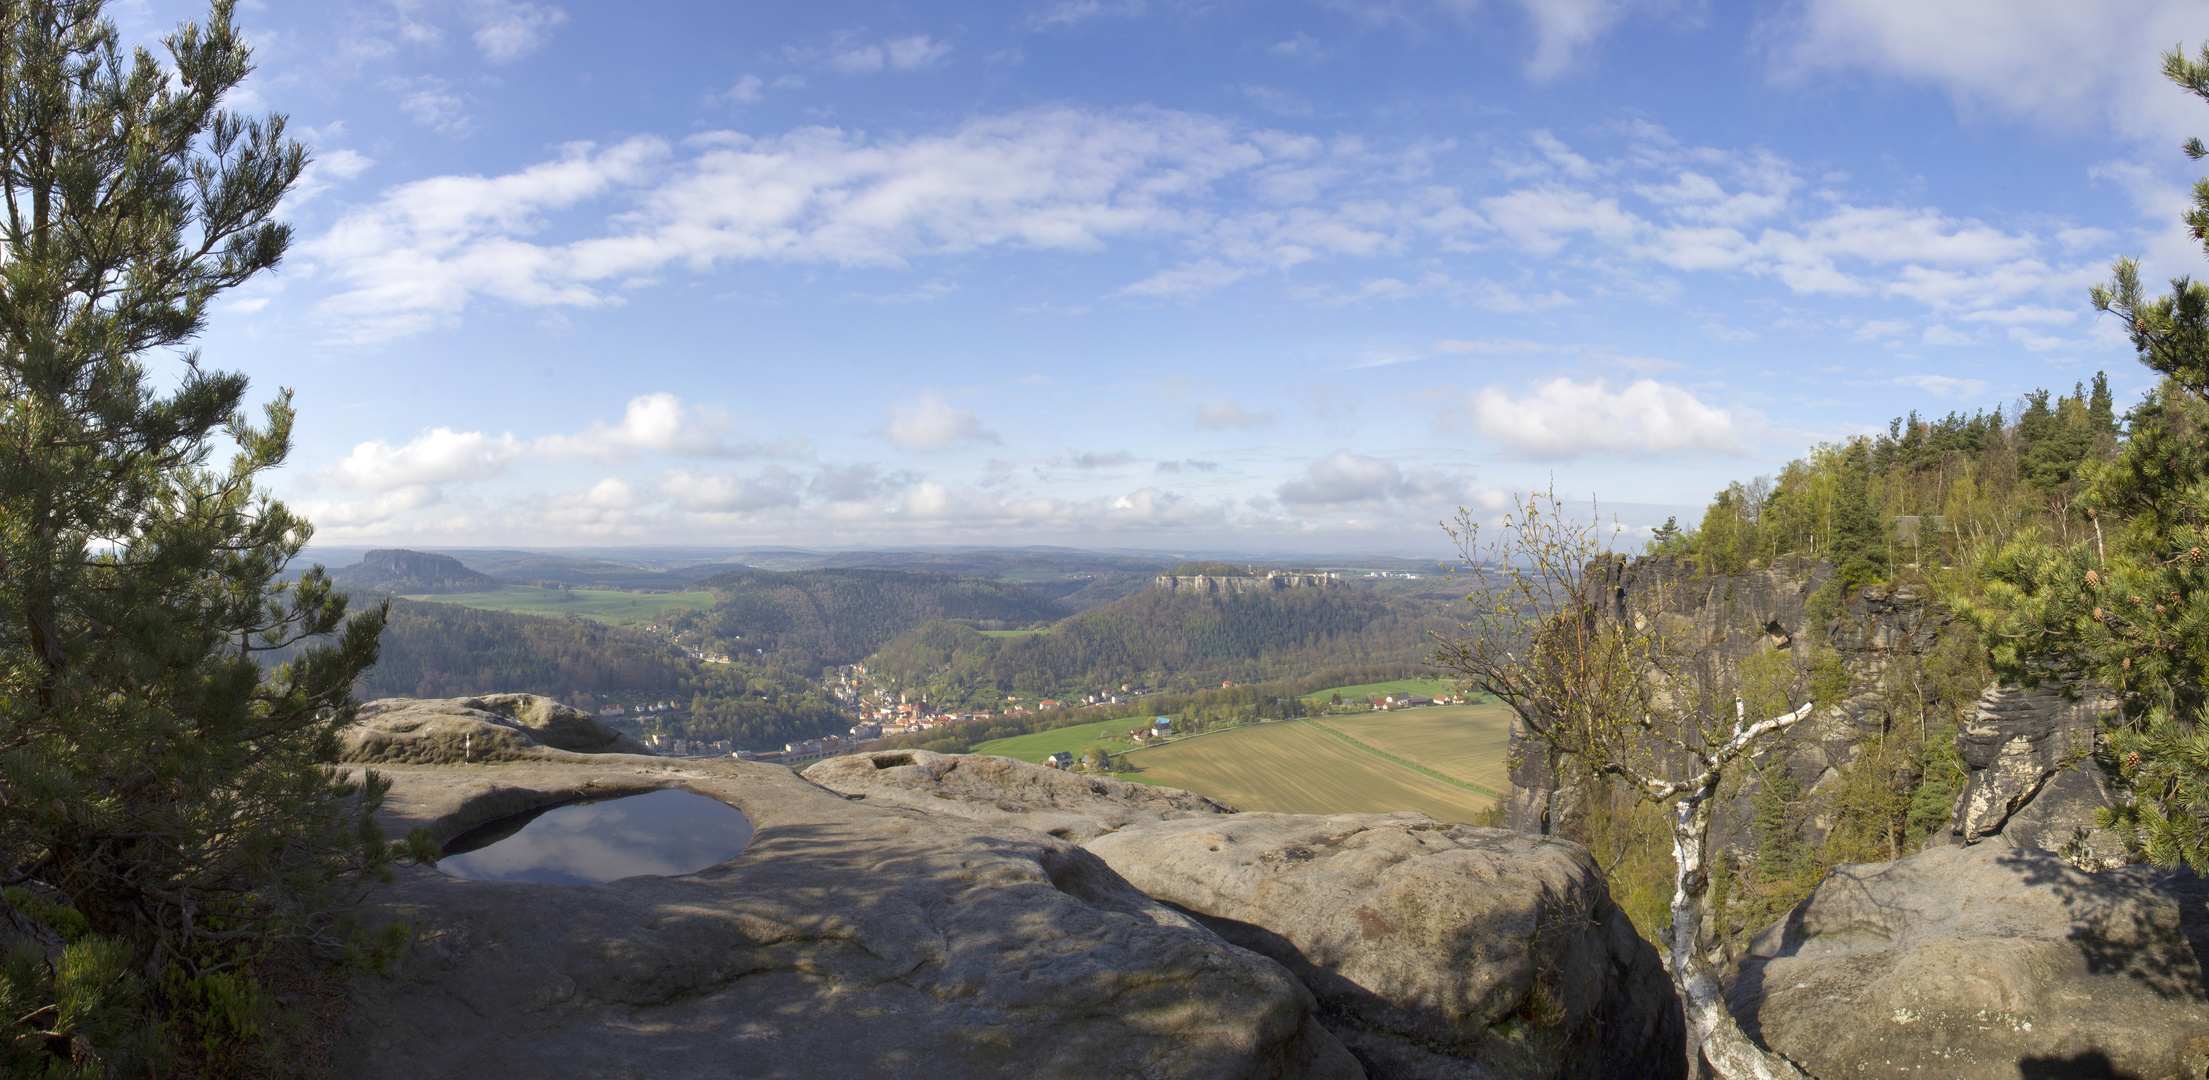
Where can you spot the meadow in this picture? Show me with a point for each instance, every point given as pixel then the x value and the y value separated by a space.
pixel 602 605
pixel 1467 743
pixel 1073 740
pixel 1293 767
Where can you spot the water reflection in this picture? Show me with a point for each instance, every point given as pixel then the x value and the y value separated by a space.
pixel 660 832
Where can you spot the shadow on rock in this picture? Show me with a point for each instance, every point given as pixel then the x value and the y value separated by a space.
pixel 2091 1065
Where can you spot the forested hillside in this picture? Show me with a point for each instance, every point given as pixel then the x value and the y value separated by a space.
pixel 442 650
pixel 808 619
pixel 1157 638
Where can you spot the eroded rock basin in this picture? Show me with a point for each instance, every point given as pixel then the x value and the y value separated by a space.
pixel 662 833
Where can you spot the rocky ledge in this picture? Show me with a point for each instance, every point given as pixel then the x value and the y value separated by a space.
pixel 1434 949
pixel 477 730
pixel 849 939
pixel 1002 792
pixel 1986 963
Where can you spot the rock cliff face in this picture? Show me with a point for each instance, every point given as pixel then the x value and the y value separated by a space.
pixel 1208 585
pixel 1880 637
pixel 846 940
pixel 2035 778
pixel 1986 963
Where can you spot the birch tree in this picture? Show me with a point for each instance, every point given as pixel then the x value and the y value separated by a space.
pixel 1594 676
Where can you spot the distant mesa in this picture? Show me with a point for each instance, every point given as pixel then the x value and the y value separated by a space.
pixel 402 572
pixel 1269 582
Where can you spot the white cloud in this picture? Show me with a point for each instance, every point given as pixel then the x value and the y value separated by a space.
pixel 1300 46
pixel 972 512
pixel 931 423
pixel 2045 61
pixel 431 102
pixel 427 247
pixel 2024 314
pixel 1052 179
pixel 1450 347
pixel 772 488
pixel 511 29
pixel 1564 418
pixel 1187 280
pixel 1343 477
pixel 437 456
pixel 1564 27
pixel 1938 334
pixel 1944 386
pixel 657 421
pixel 915 53
pixel 745 92
pixel 1222 414
pixel 1069 12
pixel 852 483
pixel 1236 202
pixel 328 169
pixel 1089 460
pixel 1878 329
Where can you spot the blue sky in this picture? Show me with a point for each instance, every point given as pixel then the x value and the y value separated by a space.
pixel 1300 275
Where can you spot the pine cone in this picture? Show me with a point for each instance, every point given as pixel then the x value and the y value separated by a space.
pixel 2194 556
pixel 2093 579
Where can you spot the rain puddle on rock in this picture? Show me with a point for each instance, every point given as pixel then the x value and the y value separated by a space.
pixel 660 832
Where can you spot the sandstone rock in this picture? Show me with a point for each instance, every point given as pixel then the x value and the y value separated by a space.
pixel 1002 791
pixel 2033 779
pixel 1985 962
pixel 494 727
pixel 848 940
pixel 1436 950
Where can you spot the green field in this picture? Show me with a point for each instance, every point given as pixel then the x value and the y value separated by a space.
pixel 606 606
pixel 1426 687
pixel 1468 743
pixel 1295 768
pixel 1012 633
pixel 1073 740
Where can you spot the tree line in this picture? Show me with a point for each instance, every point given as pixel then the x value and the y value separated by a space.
pixel 809 619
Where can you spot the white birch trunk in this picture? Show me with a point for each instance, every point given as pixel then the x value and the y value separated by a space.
pixel 1712 1033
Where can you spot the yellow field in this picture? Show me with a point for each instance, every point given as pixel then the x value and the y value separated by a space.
pixel 1293 768
pixel 1463 742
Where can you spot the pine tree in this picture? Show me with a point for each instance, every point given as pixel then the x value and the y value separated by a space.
pixel 2129 605
pixel 150 769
